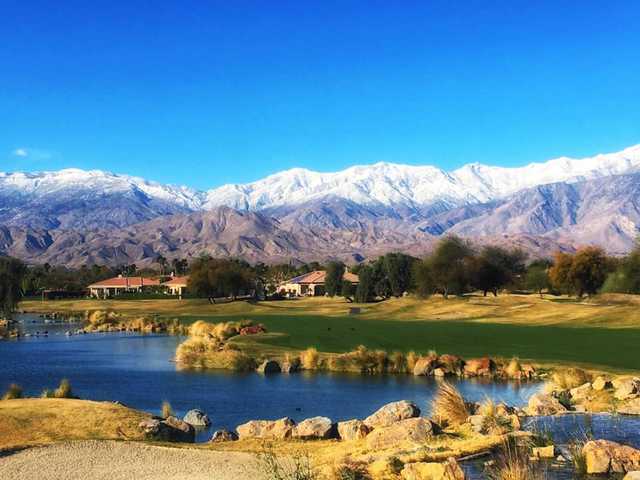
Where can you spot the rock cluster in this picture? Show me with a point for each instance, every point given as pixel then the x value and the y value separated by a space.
pixel 604 456
pixel 170 429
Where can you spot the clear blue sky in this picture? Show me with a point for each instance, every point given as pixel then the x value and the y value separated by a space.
pixel 204 93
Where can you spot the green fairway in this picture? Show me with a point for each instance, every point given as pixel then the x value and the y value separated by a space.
pixel 609 349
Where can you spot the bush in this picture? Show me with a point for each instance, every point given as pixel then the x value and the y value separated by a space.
pixel 448 407
pixel 14 392
pixel 351 471
pixel 310 359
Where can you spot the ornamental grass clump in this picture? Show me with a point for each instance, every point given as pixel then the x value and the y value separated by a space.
pixel 310 359
pixel 493 422
pixel 448 408
pixel 64 390
pixel 166 410
pixel 14 392
pixel 514 463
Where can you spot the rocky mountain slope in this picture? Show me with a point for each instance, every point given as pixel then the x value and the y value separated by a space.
pixel 76 217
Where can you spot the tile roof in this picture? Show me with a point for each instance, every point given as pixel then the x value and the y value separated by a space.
pixel 318 276
pixel 177 282
pixel 125 282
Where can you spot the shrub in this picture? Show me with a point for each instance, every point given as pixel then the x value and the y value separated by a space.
pixel 167 410
pixel 63 390
pixel 310 359
pixel 338 363
pixel 14 391
pixel 448 407
pixel 571 378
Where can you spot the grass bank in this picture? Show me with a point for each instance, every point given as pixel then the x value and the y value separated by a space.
pixel 600 333
pixel 40 421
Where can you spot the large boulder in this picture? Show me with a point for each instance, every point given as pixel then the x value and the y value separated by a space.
pixel 632 476
pixel 631 407
pixel 581 393
pixel 170 429
pixel 449 470
pixel 425 366
pixel 269 366
pixel 626 388
pixel 223 436
pixel 197 418
pixel 316 428
pixel 270 429
pixel 352 430
pixel 479 367
pixel 451 364
pixel 543 404
pixel 289 367
pixel 411 432
pixel 391 413
pixel 604 456
pixel 601 383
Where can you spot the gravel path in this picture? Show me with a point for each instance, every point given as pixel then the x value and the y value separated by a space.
pixel 109 460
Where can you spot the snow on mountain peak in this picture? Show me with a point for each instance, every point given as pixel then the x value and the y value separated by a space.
pixel 381 183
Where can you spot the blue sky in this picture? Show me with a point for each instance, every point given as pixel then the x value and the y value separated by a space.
pixel 205 93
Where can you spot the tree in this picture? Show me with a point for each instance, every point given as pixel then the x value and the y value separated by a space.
pixel 423 279
pixel 589 269
pixel 397 270
pixel 449 266
pixel 347 289
pixel 162 261
pixel 497 267
pixel 364 291
pixel 537 279
pixel 211 278
pixel 559 272
pixel 333 278
pixel 12 272
pixel 626 277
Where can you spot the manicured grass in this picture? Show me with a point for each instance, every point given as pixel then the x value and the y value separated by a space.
pixel 603 332
pixel 607 348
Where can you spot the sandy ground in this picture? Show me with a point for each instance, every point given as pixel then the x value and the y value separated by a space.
pixel 110 460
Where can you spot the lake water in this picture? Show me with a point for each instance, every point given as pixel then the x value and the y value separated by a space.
pixel 138 371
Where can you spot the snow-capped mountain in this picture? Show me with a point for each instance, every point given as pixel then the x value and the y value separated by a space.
pixel 75 217
pixel 392 184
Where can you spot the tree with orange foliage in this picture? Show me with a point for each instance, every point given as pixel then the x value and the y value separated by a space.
pixel 582 273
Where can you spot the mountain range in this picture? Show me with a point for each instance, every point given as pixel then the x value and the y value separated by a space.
pixel 75 217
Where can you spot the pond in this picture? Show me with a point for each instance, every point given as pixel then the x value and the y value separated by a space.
pixel 138 371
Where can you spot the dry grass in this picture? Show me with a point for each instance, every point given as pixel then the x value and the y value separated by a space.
pixel 448 408
pixel 513 463
pixel 603 310
pixel 34 421
pixel 310 359
pixel 166 410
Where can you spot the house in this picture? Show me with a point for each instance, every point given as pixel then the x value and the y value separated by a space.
pixel 310 284
pixel 118 285
pixel 177 285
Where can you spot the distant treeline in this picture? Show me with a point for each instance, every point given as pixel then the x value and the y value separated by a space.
pixel 455 267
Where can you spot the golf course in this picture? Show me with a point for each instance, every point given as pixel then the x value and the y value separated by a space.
pixel 599 333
